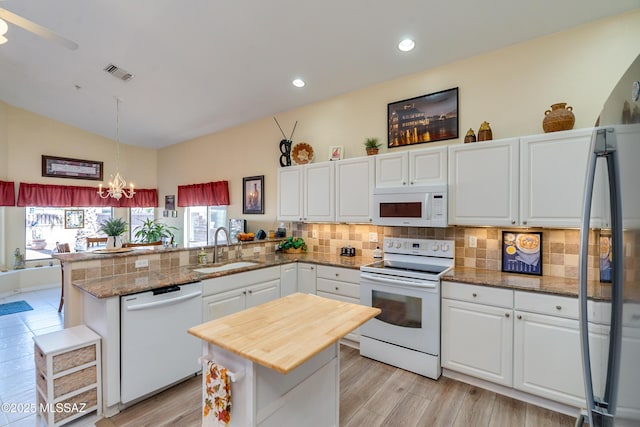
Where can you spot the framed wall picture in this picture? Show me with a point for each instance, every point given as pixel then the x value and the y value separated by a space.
pixel 606 258
pixel 74 218
pixel 64 167
pixel 170 202
pixel 336 152
pixel 522 252
pixel 426 118
pixel 253 195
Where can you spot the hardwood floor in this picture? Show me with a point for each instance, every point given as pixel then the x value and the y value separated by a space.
pixel 371 394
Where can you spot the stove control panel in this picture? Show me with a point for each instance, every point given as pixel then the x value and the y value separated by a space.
pixel 422 247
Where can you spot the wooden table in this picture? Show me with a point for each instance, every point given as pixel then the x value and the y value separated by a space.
pixel 285 356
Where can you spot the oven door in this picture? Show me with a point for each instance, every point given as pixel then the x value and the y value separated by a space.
pixel 410 311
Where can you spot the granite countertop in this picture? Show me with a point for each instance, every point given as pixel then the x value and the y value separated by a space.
pixel 131 283
pixel 546 284
pixel 264 334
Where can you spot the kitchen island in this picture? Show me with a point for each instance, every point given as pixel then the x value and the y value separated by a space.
pixel 284 356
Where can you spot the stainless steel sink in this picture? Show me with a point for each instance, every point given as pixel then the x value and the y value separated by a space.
pixel 225 267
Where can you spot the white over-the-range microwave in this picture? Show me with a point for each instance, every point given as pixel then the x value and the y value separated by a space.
pixel 423 206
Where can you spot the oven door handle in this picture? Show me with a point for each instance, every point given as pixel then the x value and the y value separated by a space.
pixel 401 282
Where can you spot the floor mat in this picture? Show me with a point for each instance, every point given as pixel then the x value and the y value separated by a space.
pixel 14 307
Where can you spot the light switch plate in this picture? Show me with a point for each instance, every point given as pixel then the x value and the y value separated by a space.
pixel 473 242
pixel 373 237
pixel 140 263
pixel 314 234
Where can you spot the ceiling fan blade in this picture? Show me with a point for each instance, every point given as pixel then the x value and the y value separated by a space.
pixel 36 29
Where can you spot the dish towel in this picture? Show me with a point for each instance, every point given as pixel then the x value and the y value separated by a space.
pixel 217 396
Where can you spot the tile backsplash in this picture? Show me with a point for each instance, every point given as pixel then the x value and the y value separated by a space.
pixel 559 247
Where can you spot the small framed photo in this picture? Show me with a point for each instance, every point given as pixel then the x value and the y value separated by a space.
pixel 336 152
pixel 170 202
pixel 74 218
pixel 253 195
pixel 522 252
pixel 606 258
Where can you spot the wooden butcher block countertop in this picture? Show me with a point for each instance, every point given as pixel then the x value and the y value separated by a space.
pixel 283 334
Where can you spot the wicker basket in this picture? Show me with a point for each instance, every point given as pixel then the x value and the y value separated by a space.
pixel 293 251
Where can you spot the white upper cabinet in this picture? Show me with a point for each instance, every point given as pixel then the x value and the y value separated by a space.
pixel 290 186
pixel 416 167
pixel 483 183
pixel 552 178
pixel 319 192
pixel 354 189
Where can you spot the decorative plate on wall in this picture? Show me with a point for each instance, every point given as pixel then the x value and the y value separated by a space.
pixel 302 153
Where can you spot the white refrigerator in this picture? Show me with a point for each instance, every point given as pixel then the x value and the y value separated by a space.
pixel 610 302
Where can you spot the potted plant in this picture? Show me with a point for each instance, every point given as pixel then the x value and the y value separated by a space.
pixel 113 228
pixel 372 146
pixel 152 231
pixel 292 245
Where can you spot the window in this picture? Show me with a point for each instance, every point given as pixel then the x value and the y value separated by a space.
pixel 46 226
pixel 202 222
pixel 136 217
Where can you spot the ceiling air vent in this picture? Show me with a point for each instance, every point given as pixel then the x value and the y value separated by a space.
pixel 118 72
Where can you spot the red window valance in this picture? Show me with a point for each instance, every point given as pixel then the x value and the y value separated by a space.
pixel 74 196
pixel 206 194
pixel 7 193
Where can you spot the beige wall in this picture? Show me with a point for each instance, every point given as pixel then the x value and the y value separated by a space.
pixel 510 88
pixel 29 135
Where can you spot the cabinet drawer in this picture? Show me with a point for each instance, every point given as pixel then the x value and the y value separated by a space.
pixel 553 305
pixel 67 360
pixel 85 401
pixel 337 273
pixel 479 294
pixel 68 383
pixel 339 288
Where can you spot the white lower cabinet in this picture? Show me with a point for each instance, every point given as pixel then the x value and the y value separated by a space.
pixel 288 279
pixel 230 294
pixel 531 344
pixel 341 284
pixel 307 278
pixel 477 338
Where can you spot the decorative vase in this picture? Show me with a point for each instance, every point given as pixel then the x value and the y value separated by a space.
pixel 372 151
pixel 114 242
pixel 560 117
pixel 470 136
pixel 485 133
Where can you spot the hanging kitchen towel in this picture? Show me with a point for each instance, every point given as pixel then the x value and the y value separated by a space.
pixel 217 396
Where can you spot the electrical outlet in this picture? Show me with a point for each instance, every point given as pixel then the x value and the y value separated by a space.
pixel 314 234
pixel 473 242
pixel 256 250
pixel 373 237
pixel 140 263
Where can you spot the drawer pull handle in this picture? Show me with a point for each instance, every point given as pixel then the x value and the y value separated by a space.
pixel 337 274
pixel 311 268
pixel 519 317
pixel 337 288
pixel 506 315
pixel 474 294
pixel 558 307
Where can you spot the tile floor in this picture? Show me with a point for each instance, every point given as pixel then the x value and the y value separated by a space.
pixel 17 367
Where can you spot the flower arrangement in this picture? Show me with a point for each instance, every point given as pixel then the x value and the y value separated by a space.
pixel 292 244
pixel 371 145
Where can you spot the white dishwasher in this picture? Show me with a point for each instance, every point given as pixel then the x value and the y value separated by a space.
pixel 155 348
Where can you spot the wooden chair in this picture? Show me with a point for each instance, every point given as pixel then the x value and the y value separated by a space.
pixel 62 248
pixel 96 241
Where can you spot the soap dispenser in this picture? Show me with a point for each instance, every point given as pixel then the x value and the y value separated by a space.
pixel 377 253
pixel 202 256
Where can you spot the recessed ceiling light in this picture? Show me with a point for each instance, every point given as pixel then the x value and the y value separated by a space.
pixel 406 45
pixel 298 83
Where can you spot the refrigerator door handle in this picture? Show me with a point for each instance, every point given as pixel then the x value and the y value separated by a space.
pixel 601 413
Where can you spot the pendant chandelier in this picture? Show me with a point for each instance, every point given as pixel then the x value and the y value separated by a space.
pixel 117 185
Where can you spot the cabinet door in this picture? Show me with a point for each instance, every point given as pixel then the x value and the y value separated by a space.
pixel 354 189
pixel 223 304
pixel 552 176
pixel 483 183
pixel 288 279
pixel 428 167
pixel 477 340
pixel 290 187
pixel 319 192
pixel 307 278
pixel 263 292
pixel 392 170
pixel 546 357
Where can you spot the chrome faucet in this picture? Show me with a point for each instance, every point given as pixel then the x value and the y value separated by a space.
pixel 215 242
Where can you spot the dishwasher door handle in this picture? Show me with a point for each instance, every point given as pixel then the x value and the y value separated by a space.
pixel 162 303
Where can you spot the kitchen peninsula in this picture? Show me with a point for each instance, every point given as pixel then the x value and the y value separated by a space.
pixel 284 356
